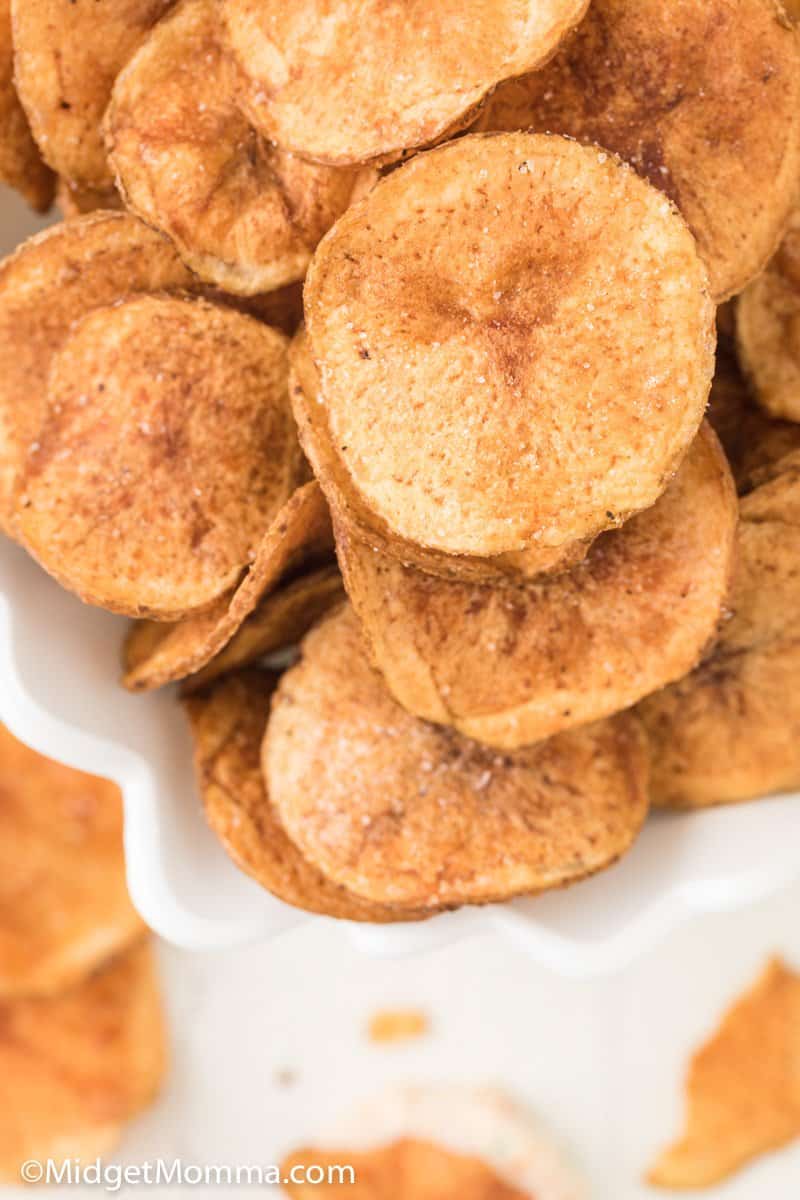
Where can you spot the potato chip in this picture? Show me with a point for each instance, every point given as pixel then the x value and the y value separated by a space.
pixel 352 513
pixel 743 1089
pixel 75 1067
pixel 67 58
pixel 440 1142
pixel 157 653
pixel 167 448
pixel 75 200
pixel 768 331
pixel 280 620
pixel 228 721
pixel 406 813
pixel 729 404
pixel 52 281
pixel 511 666
pixel 483 323
pixel 767 449
pixel 343 83
pixel 242 213
pixel 64 906
pixel 702 99
pixel 728 731
pixel 21 164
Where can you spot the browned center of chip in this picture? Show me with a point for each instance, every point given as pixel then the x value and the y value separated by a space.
pixel 166 449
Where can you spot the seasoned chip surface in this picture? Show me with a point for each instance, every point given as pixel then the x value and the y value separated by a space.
pixel 167 447
pixel 406 813
pixel 75 1067
pixel 702 99
pixel 243 214
pixel 49 283
pixel 228 721
pixel 728 731
pixel 743 1089
pixel 64 906
pixel 347 82
pixel 483 327
pixel 511 666
pixel 67 58
pixel 21 164
pixel 768 331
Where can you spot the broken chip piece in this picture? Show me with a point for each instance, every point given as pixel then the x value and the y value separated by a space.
pixel 21 164
pixel 510 666
pixel 242 213
pixel 463 362
pixel 702 99
pixel 743 1089
pixel 407 814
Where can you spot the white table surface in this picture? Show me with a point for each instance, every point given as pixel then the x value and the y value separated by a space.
pixel 601 1061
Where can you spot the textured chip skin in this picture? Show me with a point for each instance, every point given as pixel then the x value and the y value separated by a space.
pixel 347 82
pixel 75 1067
pixel 64 906
pixel 157 653
pixel 743 1088
pixel 49 283
pixel 513 666
pixel 167 447
pixel 243 214
pixel 482 323
pixel 728 731
pixel 228 721
pixel 76 200
pixel 280 620
pixel 768 331
pixel 702 99
pixel 67 58
pixel 406 813
pixel 21 164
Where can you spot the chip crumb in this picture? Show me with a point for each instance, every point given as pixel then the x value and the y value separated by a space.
pixel 397 1025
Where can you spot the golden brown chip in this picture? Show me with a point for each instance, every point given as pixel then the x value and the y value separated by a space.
pixel 52 281
pixel 483 323
pixel 352 513
pixel 75 1067
pixel 75 200
pixel 280 620
pixel 167 448
pixel 344 83
pixel 64 907
pixel 67 58
pixel 228 721
pixel 728 731
pixel 157 653
pixel 768 331
pixel 406 813
pixel 702 99
pixel 743 1089
pixel 768 448
pixel 243 214
pixel 21 164
pixel 511 666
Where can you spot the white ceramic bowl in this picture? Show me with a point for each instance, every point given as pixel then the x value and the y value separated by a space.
pixel 59 692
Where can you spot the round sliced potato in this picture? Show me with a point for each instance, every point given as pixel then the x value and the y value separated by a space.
pixel 50 282
pixel 157 653
pixel 75 1067
pixel 702 99
pixel 64 907
pixel 228 721
pixel 67 56
pixel 280 620
pixel 405 813
pixel 243 214
pixel 482 323
pixel 511 666
pixel 166 449
pixel 343 83
pixel 768 331
pixel 352 513
pixel 21 164
pixel 728 731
